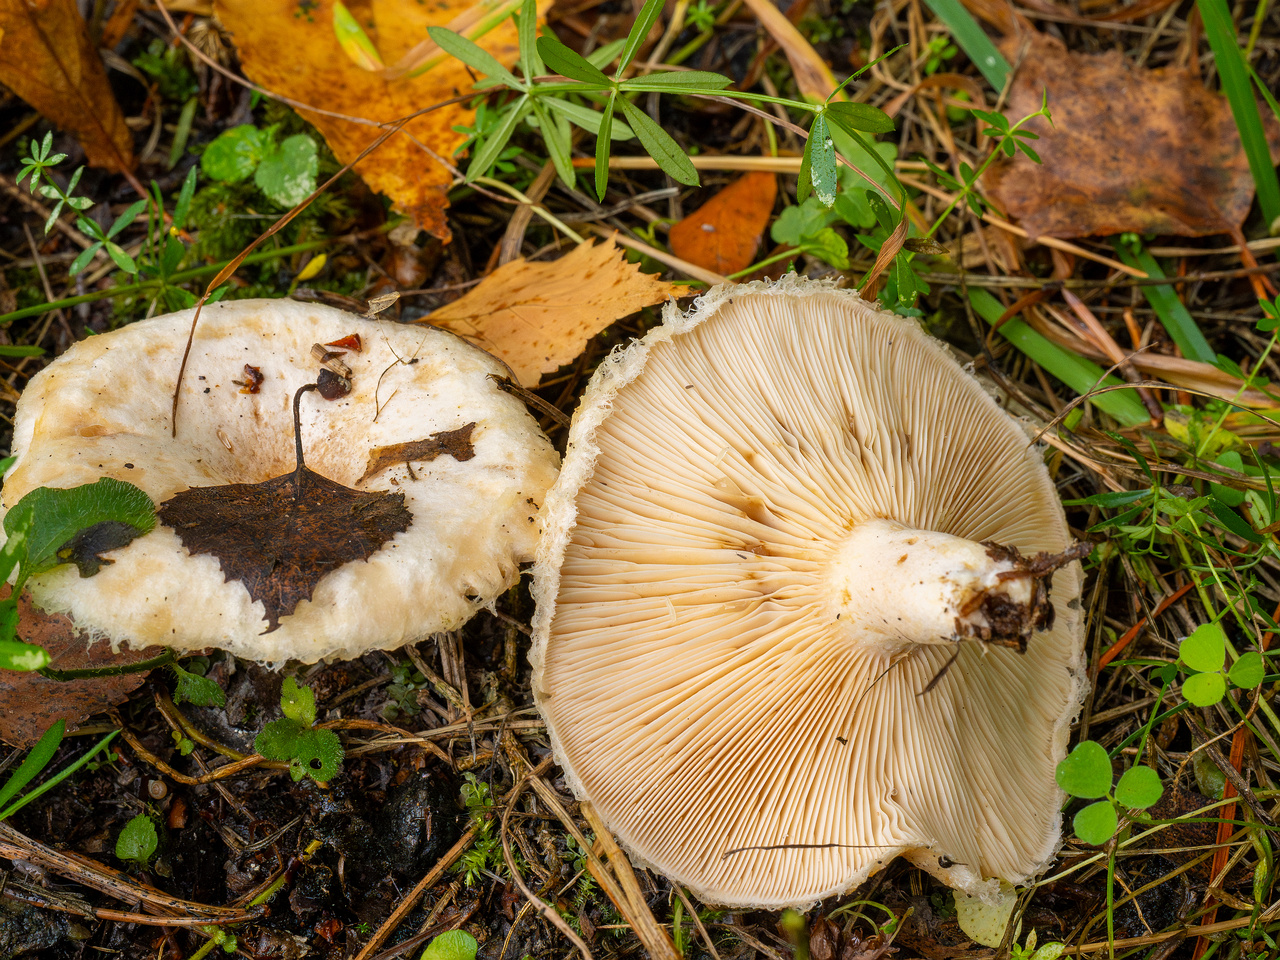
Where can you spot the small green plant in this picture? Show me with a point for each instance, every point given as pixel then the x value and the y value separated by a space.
pixel 293 738
pixel 486 853
pixel 1204 652
pixel 938 51
pixel 49 527
pixel 402 692
pixel 1028 951
pixel 1086 773
pixel 37 167
pixel 196 689
pixel 1007 139
pixel 701 16
pixel 451 945
pixel 167 64
pixel 138 840
pixel 285 171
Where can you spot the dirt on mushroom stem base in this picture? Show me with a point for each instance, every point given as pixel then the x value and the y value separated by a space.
pixel 896 587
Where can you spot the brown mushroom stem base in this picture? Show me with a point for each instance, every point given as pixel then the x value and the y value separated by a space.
pixel 895 587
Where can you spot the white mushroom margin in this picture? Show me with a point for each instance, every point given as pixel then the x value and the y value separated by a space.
pixel 755 725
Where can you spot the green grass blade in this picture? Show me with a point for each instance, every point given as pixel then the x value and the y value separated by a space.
pixel 34 762
pixel 973 41
pixel 1221 33
pixel 1079 374
pixel 58 777
pixel 1177 320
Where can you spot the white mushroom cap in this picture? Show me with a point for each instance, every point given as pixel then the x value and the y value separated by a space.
pixel 103 410
pixel 752 496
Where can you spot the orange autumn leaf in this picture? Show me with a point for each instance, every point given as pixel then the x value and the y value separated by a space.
pixel 47 58
pixel 1141 150
pixel 536 317
pixel 292 50
pixel 724 233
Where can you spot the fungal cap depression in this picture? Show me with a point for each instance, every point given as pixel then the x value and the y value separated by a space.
pixel 776 523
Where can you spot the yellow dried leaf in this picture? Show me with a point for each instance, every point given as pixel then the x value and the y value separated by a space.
pixel 292 49
pixel 47 58
pixel 536 317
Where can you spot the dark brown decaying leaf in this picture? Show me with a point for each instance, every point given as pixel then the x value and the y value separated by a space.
pixel 455 443
pixel 33 703
pixel 47 58
pixel 1148 151
pixel 279 537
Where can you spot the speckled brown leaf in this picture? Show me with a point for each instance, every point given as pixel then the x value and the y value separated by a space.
pixel 724 233
pixel 279 537
pixel 33 703
pixel 536 317
pixel 289 47
pixel 47 58
pixel 1148 151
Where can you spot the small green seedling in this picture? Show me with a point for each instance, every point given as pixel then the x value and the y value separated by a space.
pixel 1205 652
pixel 196 690
pixel 138 840
pixel 285 172
pixel 486 852
pixel 453 945
pixel 37 167
pixel 1086 773
pixel 309 752
pixel 1028 951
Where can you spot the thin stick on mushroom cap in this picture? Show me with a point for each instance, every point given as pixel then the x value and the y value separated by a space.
pixel 422 417
pixel 779 519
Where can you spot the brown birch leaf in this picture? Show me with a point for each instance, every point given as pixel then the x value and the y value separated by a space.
pixel 33 703
pixel 47 58
pixel 536 317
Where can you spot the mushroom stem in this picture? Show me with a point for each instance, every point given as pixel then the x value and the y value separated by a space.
pixel 896 586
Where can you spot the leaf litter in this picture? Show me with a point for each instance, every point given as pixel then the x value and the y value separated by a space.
pixel 48 59
pixel 724 233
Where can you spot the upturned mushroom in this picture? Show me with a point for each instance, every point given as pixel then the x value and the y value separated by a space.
pixel 416 506
pixel 794 616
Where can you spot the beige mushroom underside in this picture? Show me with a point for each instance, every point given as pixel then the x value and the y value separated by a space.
pixel 103 410
pixel 695 686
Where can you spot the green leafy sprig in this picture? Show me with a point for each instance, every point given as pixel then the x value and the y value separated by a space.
pixel 1086 773
pixel 294 740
